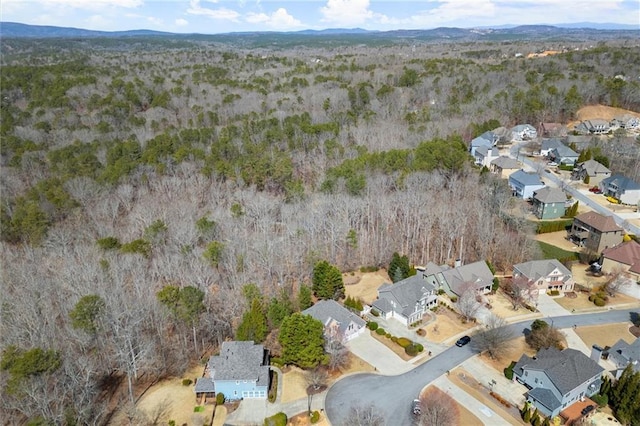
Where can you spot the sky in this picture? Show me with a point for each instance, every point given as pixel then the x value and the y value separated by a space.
pixel 223 16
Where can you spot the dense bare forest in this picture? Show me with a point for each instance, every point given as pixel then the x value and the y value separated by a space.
pixel 134 165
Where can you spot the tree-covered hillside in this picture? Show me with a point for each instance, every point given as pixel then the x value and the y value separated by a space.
pixel 135 169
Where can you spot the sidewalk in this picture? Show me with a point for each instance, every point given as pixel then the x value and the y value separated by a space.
pixel 493 379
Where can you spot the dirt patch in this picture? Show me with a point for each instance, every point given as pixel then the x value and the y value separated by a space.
pixel 605 335
pixel 591 112
pixel 303 419
pixel 558 239
pixel 502 306
pixel 447 325
pixel 171 400
pixel 364 286
pixel 465 417
pixel 582 302
pixel 513 352
pixel 466 382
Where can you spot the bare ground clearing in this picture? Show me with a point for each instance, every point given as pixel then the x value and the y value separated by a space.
pixel 364 285
pixel 591 112
pixel 446 325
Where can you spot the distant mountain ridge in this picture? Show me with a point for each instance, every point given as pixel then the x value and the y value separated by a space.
pixel 18 30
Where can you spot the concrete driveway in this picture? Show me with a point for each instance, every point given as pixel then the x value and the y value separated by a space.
pixel 378 355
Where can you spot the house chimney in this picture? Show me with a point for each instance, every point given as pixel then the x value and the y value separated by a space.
pixel 596 353
pixel 458 263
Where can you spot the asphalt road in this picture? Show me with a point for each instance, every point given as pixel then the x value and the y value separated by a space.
pixel 513 152
pixel 392 395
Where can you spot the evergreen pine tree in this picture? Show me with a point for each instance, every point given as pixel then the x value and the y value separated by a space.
pixel 526 415
pixel 304 298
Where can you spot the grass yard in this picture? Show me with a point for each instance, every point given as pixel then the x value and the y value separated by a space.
pixel 465 417
pixel 605 335
pixel 552 252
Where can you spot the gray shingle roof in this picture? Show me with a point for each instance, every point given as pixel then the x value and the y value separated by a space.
pixel 405 293
pixel 327 310
pixel 537 269
pixel 204 384
pixel 505 162
pixel 525 178
pixel 626 353
pixel 549 195
pixel 240 361
pixel 567 369
pixel 549 144
pixel 477 273
pixel 485 139
pixel 592 167
pixel 622 182
pixel 546 398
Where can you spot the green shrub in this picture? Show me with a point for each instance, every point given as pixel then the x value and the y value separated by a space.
pixel 600 399
pixel 404 342
pixel 419 347
pixel 372 325
pixel 553 226
pixel 219 398
pixel 598 301
pixel 278 419
pixel 198 409
pixel 412 349
pixel 554 293
pixel 375 313
pixel 388 335
pixel 186 382
pixel 138 246
pixel 454 298
pixel 381 331
pixel 315 417
pixel 394 339
pixel 508 371
pixel 109 243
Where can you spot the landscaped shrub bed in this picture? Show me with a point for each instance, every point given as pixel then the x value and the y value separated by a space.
pixel 404 342
pixel 508 371
pixel 500 399
pixel 372 325
pixel 553 226
pixel 380 331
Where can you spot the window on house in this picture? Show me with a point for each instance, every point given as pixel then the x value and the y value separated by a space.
pixel 536 380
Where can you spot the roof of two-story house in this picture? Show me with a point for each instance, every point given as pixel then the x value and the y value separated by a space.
pixel 624 257
pixel 488 139
pixel 484 155
pixel 406 300
pixel 557 378
pixel 563 154
pixel 504 163
pixel 594 126
pixel 622 188
pixel 595 231
pixel 524 184
pixel 337 320
pixel 548 274
pixel 548 145
pixel 455 280
pixel 591 168
pixel 523 132
pixel 622 354
pixel 241 370
pixel 549 203
pixel 552 129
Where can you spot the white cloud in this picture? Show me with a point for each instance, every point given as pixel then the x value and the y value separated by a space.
pixel 280 19
pixel 181 22
pixel 346 12
pixel 94 4
pixel 221 13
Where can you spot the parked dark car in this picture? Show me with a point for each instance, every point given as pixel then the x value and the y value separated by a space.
pixel 463 341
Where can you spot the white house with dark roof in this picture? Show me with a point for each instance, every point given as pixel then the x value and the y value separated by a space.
pixel 548 145
pixel 407 300
pixel 625 121
pixel 547 274
pixel 593 127
pixel 523 132
pixel 524 184
pixel 622 188
pixel 503 166
pixel 596 172
pixel 487 139
pixel 622 354
pixel 241 370
pixel 557 379
pixel 339 322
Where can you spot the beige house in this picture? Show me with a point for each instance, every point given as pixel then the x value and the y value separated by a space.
pixel 548 274
pixel 503 166
pixel 595 232
pixel 623 257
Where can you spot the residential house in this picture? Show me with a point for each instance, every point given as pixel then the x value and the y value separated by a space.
pixel 549 203
pixel 523 132
pixel 503 166
pixel 407 300
pixel 339 322
pixel 624 257
pixel 454 281
pixel 557 379
pixel 524 184
pixel 484 155
pixel 595 231
pixel 548 274
pixel 593 127
pixel 241 370
pixel 591 168
pixel 552 130
pixel 622 354
pixel 625 121
pixel 622 188
pixel 548 145
pixel 487 139
pixel 563 155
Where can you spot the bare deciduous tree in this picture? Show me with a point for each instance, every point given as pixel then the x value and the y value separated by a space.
pixel 437 408
pixel 338 353
pixel 363 415
pixel 495 339
pixel 467 303
pixel 615 283
pixel 520 291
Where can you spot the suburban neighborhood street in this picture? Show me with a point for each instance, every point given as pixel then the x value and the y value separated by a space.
pixel 392 395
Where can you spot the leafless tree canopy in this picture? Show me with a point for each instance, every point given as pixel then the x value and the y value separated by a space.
pixel 437 408
pixel 495 339
pixel 364 415
pixel 467 303
pixel 520 291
